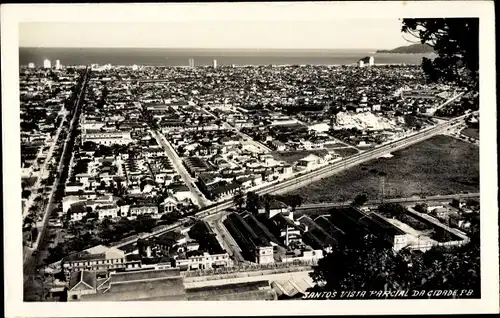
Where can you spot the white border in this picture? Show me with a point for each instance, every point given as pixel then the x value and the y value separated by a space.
pixel 11 15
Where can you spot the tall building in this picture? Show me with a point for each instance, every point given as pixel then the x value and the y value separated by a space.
pixel 46 64
pixel 58 65
pixel 215 63
pixel 191 63
pixel 371 61
pixel 31 65
pixel 361 63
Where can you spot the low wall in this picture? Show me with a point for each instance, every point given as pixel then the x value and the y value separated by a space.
pixel 192 279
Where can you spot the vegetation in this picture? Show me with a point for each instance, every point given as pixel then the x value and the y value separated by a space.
pixel 456 41
pixel 366 265
pixel 412 49
pixel 360 199
pixel 440 165
pixel 239 199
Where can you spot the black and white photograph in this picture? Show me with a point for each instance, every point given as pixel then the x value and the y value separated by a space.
pixel 205 152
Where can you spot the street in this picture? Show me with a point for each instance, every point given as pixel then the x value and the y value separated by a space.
pixel 32 259
pixel 34 192
pixel 181 170
pixel 375 203
pixel 224 237
pixel 245 137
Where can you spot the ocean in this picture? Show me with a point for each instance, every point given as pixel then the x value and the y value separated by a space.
pixel 180 57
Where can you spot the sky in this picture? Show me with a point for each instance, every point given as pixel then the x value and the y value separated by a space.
pixel 322 34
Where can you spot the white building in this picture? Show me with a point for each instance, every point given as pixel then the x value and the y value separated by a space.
pixel 31 65
pixel 204 261
pixel 107 211
pixel 58 65
pixel 46 64
pixel 108 137
pixel 372 61
pixel 361 63
pixel 215 63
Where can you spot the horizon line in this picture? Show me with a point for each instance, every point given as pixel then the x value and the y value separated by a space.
pixel 189 48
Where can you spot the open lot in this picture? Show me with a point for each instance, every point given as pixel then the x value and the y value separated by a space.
pixel 346 152
pixel 335 145
pixel 440 165
pixel 291 157
pixel 471 132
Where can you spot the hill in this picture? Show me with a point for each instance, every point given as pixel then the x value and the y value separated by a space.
pixel 412 49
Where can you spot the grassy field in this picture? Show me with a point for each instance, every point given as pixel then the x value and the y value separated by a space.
pixel 346 152
pixel 471 132
pixel 440 165
pixel 335 145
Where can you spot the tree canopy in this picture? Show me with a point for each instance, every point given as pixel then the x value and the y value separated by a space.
pixel 456 42
pixel 369 265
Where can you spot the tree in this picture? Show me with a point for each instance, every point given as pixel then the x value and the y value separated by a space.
pixel 456 41
pixel 295 201
pixel 369 265
pixel 421 207
pixel 60 276
pixel 252 202
pixel 106 223
pixel 239 198
pixel 34 233
pixel 26 194
pixel 394 210
pixel 363 267
pixel 360 199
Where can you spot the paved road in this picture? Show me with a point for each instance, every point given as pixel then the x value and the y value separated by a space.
pixel 34 192
pixel 314 175
pixel 448 101
pixel 370 203
pixel 31 260
pixel 225 238
pixel 245 137
pixel 179 166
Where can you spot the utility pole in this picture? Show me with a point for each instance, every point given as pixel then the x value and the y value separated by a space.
pixel 382 188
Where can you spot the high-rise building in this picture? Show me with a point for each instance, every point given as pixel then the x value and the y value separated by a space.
pixel 371 61
pixel 215 63
pixel 46 64
pixel 361 63
pixel 31 65
pixel 191 63
pixel 58 65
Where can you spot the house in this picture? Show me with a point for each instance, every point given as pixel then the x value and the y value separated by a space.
pixel 203 260
pixel 107 211
pixel 98 258
pixel 440 213
pixel 68 201
pixel 182 192
pixel 139 284
pixel 77 211
pixel 278 145
pixel 143 208
pixel 275 207
pixel 289 230
pixel 81 283
pixel 170 204
pixel 310 161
